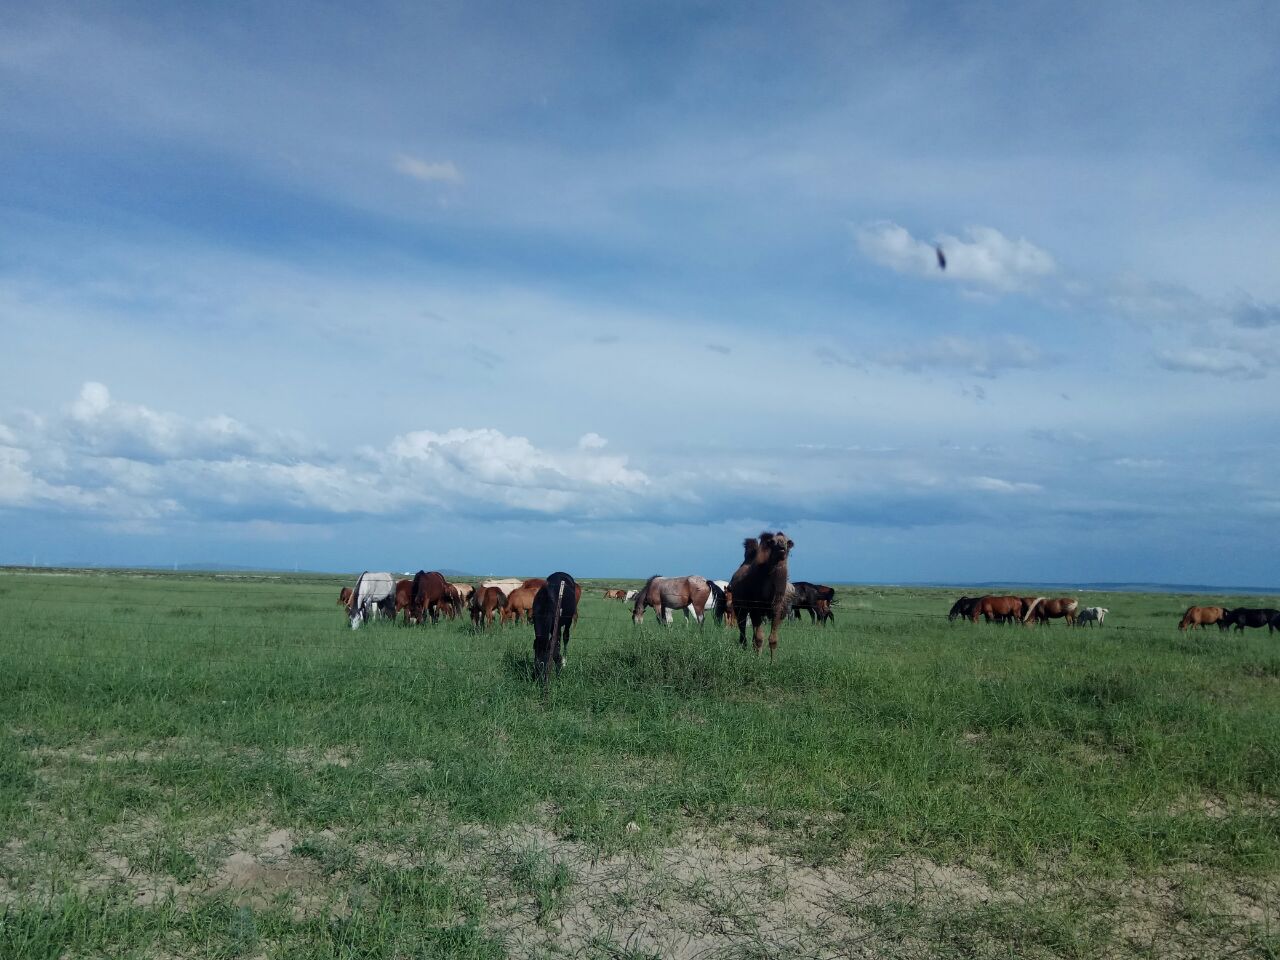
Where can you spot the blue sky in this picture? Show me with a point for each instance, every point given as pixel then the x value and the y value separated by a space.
pixel 607 287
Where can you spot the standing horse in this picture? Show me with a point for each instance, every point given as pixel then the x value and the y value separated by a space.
pixel 554 609
pixel 666 594
pixel 962 608
pixel 1000 609
pixel 1256 617
pixel 371 591
pixel 759 587
pixel 1043 609
pixel 430 593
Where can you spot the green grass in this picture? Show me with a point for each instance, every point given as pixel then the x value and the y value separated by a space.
pixel 157 719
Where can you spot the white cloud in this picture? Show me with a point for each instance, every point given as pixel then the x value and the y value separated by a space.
pixel 987 258
pixel 427 171
pixel 591 441
pixel 1215 361
pixel 996 485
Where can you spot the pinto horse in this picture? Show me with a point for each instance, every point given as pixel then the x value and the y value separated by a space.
pixel 430 593
pixel 1000 609
pixel 1043 609
pixel 666 594
pixel 759 587
pixel 555 607
pixel 1202 617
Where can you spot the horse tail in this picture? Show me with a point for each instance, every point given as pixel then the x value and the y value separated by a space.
pixel 419 590
pixel 1031 609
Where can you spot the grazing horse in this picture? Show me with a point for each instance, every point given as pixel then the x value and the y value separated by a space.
pixel 1000 609
pixel 1256 617
pixel 370 594
pixel 759 587
pixel 1202 617
pixel 344 596
pixel 555 606
pixel 486 604
pixel 1042 610
pixel 1092 615
pixel 404 598
pixel 665 594
pixel 430 592
pixel 807 596
pixel 962 608
pixel 520 602
pixel 506 586
pixel 823 609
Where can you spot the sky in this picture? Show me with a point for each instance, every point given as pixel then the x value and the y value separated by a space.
pixel 510 288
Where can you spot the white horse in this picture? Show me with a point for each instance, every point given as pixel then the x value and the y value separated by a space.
pixel 371 589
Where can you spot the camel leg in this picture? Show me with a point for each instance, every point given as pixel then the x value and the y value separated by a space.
pixel 757 630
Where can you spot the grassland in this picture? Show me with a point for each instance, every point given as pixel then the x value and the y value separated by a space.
pixel 197 766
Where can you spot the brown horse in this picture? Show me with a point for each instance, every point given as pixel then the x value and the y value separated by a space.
pixel 344 597
pixel 520 603
pixel 404 598
pixel 615 594
pixel 999 609
pixel 430 593
pixel 760 587
pixel 486 604
pixel 665 594
pixel 1043 609
pixel 1201 617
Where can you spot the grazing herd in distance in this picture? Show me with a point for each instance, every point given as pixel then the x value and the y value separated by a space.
pixel 759 590
pixel 1028 610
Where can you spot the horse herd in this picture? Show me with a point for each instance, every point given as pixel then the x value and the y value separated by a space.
pixel 1028 610
pixel 759 589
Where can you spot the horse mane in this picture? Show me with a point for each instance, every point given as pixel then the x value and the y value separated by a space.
pixel 355 595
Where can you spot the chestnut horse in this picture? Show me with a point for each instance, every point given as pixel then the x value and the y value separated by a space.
pixel 759 587
pixel 1000 609
pixel 1202 617
pixel 665 594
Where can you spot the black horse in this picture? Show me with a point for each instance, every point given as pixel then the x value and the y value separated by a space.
pixel 963 608
pixel 563 588
pixel 807 595
pixel 1242 617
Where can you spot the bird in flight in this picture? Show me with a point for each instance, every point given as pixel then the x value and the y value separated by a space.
pixel 942 257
